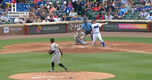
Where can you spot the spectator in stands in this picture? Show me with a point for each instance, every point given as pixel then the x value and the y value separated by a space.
pixel 58 6
pixel 114 4
pixel 96 8
pixel 80 8
pixel 41 3
pixel 128 6
pixel 5 18
pixel 33 11
pixel 110 7
pixel 37 19
pixel 100 16
pixel 74 3
pixel 47 19
pixel 123 9
pixel 118 14
pixel 52 8
pixel 133 9
pixel 143 14
pixel 124 1
pixel 56 17
pixel 74 16
pixel 64 7
pixel 64 17
pixel 149 17
pixel 147 2
pixel 1 11
pixel 29 20
pixel 108 16
pixel 119 3
pixel 70 5
pixel 87 8
pixel 18 20
pixel 102 8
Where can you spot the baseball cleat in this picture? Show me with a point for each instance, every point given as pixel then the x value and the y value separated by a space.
pixel 66 69
pixel 51 71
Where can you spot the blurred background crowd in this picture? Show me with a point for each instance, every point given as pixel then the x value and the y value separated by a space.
pixel 70 10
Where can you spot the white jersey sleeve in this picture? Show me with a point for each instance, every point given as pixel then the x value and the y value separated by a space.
pixel 54 46
pixel 99 24
pixel 96 28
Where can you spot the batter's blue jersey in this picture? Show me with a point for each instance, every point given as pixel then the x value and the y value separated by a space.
pixel 87 26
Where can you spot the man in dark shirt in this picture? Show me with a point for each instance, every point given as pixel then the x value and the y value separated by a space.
pixel 86 26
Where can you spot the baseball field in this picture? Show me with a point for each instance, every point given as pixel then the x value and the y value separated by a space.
pixel 126 57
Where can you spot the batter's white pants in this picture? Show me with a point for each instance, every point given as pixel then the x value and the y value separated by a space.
pixel 98 35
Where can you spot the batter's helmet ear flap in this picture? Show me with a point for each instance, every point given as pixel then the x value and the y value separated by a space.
pixel 52 40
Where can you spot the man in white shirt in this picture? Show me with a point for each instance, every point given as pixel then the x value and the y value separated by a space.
pixel 96 32
pixel 143 13
pixel 149 17
pixel 5 18
pixel 108 16
pixel 74 16
pixel 18 20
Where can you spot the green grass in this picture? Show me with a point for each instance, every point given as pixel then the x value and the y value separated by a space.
pixel 126 66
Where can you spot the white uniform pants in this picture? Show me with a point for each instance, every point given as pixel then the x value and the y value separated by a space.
pixel 97 35
pixel 56 58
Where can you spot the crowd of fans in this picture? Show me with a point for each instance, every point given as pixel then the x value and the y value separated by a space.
pixel 70 10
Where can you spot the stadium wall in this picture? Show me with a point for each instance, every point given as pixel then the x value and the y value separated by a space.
pixel 12 29
pixel 71 26
pixel 45 28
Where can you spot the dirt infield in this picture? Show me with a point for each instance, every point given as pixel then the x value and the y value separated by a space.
pixel 70 47
pixel 62 76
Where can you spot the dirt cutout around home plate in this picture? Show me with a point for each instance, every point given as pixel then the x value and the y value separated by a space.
pixel 62 76
pixel 70 47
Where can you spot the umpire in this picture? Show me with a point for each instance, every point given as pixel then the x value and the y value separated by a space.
pixel 87 27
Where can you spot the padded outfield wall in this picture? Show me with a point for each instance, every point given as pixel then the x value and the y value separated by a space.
pixel 71 26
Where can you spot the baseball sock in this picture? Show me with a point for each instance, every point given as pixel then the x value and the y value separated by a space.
pixel 62 66
pixel 52 65
pixel 103 44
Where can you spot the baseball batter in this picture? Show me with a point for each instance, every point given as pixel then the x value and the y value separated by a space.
pixel 96 32
pixel 57 53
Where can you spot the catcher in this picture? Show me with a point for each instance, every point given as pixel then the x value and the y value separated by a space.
pixel 57 53
pixel 79 37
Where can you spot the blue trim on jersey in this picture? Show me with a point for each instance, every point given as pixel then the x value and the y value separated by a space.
pixel 96 26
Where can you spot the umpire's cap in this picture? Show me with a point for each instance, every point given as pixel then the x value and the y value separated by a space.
pixel 85 19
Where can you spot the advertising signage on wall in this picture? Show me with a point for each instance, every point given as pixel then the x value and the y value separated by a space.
pixel 126 27
pixel 46 29
pixel 12 30
pixel 132 26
